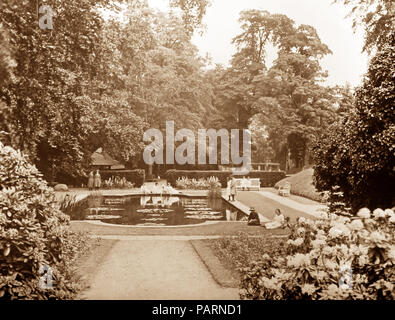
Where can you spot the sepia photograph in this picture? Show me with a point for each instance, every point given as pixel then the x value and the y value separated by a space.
pixel 195 155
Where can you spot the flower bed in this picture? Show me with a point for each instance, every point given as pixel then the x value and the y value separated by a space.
pixel 194 184
pixel 331 258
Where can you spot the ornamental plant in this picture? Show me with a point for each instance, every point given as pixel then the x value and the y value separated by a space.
pixel 37 248
pixel 334 257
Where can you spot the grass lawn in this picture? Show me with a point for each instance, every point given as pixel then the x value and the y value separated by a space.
pixel 218 229
pixel 233 253
pixel 86 265
pixel 302 185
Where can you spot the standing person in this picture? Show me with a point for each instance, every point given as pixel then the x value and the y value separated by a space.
pixel 243 183
pixel 91 180
pixel 97 180
pixel 228 182
pixel 233 189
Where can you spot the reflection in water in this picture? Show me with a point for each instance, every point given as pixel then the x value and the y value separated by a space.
pixel 168 210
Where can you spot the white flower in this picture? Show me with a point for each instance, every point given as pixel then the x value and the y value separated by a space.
pixel 298 260
pixel 334 232
pixel 356 225
pixel 300 230
pixel 391 253
pixel 377 236
pixel 379 213
pixel 364 213
pixel 269 283
pixel 318 243
pixel 339 229
pixel 389 213
pixel 301 220
pixel 308 288
pixel 392 219
pixel 328 251
pixel 298 241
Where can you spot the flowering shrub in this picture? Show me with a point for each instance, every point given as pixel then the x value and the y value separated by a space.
pixel 34 235
pixel 331 258
pixel 201 184
pixel 117 183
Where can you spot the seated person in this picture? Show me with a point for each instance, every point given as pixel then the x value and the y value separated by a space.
pixel 277 222
pixel 253 218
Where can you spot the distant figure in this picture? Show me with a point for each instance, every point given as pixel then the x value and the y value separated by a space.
pixel 253 218
pixel 243 183
pixel 277 222
pixel 228 182
pixel 97 180
pixel 91 180
pixel 233 189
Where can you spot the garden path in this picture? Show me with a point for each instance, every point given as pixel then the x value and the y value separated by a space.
pixel 266 202
pixel 152 269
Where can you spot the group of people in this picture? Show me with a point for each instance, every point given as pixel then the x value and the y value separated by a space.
pixel 279 220
pixel 94 180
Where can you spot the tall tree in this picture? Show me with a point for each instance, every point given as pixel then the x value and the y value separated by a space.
pixel 357 154
pixel 292 104
pixel 377 18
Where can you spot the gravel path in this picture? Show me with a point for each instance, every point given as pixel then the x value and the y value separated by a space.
pixel 150 270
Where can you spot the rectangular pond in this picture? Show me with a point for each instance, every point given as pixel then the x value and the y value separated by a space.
pixel 157 210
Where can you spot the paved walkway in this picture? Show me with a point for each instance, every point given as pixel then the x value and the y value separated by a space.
pixel 155 270
pixel 265 203
pixel 312 209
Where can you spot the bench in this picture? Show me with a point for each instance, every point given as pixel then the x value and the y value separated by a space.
pixel 285 190
pixel 248 184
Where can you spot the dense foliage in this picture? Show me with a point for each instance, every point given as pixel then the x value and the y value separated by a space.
pixel 358 153
pixel 34 235
pixel 330 258
pixel 284 104
pixel 95 80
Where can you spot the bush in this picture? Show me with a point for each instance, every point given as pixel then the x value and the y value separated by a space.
pixel 76 210
pixel 268 179
pixel 244 250
pixel 34 234
pixel 357 153
pixel 137 177
pixel 330 258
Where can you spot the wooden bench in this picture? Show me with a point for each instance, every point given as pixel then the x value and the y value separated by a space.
pixel 285 190
pixel 249 184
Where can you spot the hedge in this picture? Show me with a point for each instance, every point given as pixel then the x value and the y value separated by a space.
pixel 136 176
pixel 268 178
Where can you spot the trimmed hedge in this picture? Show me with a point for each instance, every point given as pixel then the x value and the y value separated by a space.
pixel 136 176
pixel 268 178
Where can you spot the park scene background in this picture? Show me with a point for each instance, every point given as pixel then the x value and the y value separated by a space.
pixel 77 98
